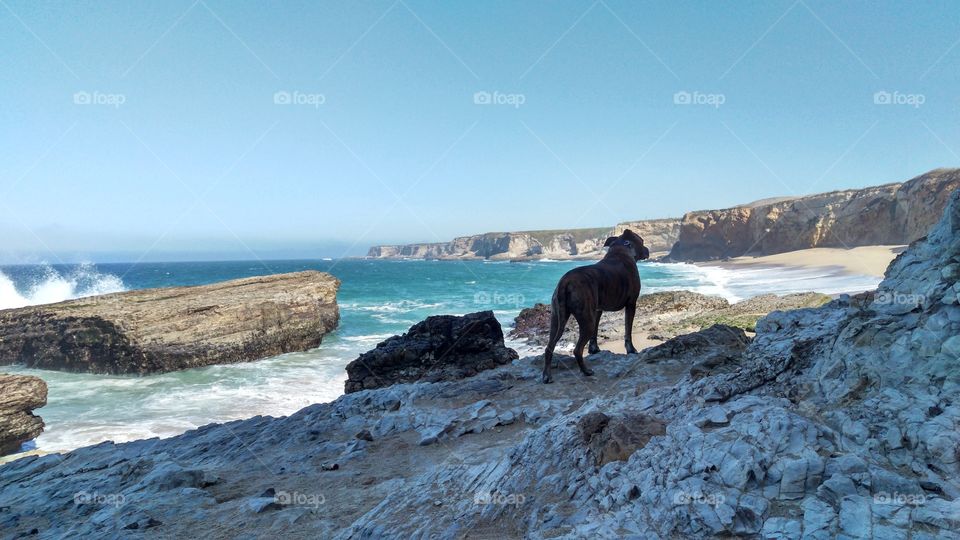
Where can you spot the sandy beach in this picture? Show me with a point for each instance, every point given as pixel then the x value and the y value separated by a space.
pixel 865 260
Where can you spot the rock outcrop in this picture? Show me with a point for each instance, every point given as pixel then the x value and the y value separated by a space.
pixel 658 234
pixel 663 315
pixel 884 215
pixel 834 422
pixel 157 330
pixel 19 395
pixel 442 347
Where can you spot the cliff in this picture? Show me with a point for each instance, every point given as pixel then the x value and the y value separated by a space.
pixel 833 422
pixel 157 330
pixel 659 235
pixel 882 215
pixel 19 395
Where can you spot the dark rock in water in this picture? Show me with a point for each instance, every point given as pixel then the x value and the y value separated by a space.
pixel 443 347
pixel 532 323
pixel 158 330
pixel 714 346
pixel 20 394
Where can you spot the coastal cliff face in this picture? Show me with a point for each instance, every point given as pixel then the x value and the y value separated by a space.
pixel 157 330
pixel 889 214
pixel 832 422
pixel 19 395
pixel 658 235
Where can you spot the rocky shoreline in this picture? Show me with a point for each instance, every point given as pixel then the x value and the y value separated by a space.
pixel 159 330
pixel 572 244
pixel 890 214
pixel 833 421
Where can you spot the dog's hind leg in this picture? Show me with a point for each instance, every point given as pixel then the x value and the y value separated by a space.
pixel 593 347
pixel 586 326
pixel 629 312
pixel 558 321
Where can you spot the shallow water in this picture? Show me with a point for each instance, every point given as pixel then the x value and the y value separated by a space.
pixel 377 299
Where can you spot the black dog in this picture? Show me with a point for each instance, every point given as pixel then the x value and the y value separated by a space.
pixel 585 292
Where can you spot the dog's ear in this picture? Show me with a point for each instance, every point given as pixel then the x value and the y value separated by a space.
pixel 610 241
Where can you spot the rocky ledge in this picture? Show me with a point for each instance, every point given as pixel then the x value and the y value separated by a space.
pixel 838 421
pixel 157 330
pixel 19 395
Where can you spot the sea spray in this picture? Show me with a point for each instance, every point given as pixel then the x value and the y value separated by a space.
pixel 45 284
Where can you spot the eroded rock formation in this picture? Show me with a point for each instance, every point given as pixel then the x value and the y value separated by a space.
pixel 19 395
pixel 156 330
pixel 658 235
pixel 883 215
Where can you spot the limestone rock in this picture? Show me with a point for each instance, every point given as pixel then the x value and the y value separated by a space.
pixel 157 330
pixel 658 235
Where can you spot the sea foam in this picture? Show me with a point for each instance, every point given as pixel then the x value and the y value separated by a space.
pixel 46 285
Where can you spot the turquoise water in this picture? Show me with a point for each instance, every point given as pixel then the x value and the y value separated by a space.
pixel 378 298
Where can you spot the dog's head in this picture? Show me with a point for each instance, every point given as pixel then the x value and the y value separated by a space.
pixel 631 242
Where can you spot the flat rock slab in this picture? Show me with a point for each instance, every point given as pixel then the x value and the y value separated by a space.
pixel 158 330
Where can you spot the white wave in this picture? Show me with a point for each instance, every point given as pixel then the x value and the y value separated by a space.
pixel 51 286
pixel 371 337
pixel 742 283
pixel 403 306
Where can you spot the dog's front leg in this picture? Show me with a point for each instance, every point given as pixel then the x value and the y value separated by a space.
pixel 629 311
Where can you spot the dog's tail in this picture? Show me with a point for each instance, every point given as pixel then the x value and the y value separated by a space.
pixel 558 312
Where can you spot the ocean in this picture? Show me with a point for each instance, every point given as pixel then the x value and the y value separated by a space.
pixel 378 298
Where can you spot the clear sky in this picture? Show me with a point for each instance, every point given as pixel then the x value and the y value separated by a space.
pixel 197 129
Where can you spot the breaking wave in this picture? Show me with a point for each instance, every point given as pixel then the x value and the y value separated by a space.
pixel 46 285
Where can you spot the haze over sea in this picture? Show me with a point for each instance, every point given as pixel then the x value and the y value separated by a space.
pixel 378 298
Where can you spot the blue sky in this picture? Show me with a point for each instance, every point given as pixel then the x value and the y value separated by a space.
pixel 213 129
